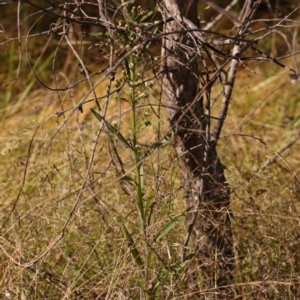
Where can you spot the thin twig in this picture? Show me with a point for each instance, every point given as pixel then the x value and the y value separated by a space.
pixel 23 180
pixel 271 160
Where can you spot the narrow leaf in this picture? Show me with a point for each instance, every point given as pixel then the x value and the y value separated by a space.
pixel 169 226
pixel 176 267
pixel 127 67
pixel 112 129
pixel 149 201
pixel 146 46
pixel 147 15
pixel 100 33
pixel 129 179
pixel 149 123
pixel 164 140
pixel 134 251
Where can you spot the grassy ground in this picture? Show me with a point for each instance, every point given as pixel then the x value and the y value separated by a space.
pixel 49 250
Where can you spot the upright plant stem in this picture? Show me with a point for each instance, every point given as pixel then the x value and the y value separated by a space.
pixel 139 179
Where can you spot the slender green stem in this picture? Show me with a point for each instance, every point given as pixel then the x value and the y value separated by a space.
pixel 139 179
pixel 137 154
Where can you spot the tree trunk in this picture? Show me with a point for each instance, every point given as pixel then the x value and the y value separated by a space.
pixel 202 173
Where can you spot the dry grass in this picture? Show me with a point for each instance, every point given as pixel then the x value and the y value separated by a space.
pixel 41 182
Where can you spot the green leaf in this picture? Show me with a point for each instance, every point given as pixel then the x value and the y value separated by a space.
pixel 157 287
pixel 176 267
pixel 149 201
pixel 112 129
pixel 149 123
pixel 164 140
pixel 127 67
pixel 141 96
pixel 100 33
pixel 129 179
pixel 146 46
pixel 151 260
pixel 134 251
pixel 147 15
pixel 297 122
pixel 294 124
pixel 169 226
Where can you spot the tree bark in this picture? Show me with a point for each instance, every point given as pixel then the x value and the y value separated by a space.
pixel 207 192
